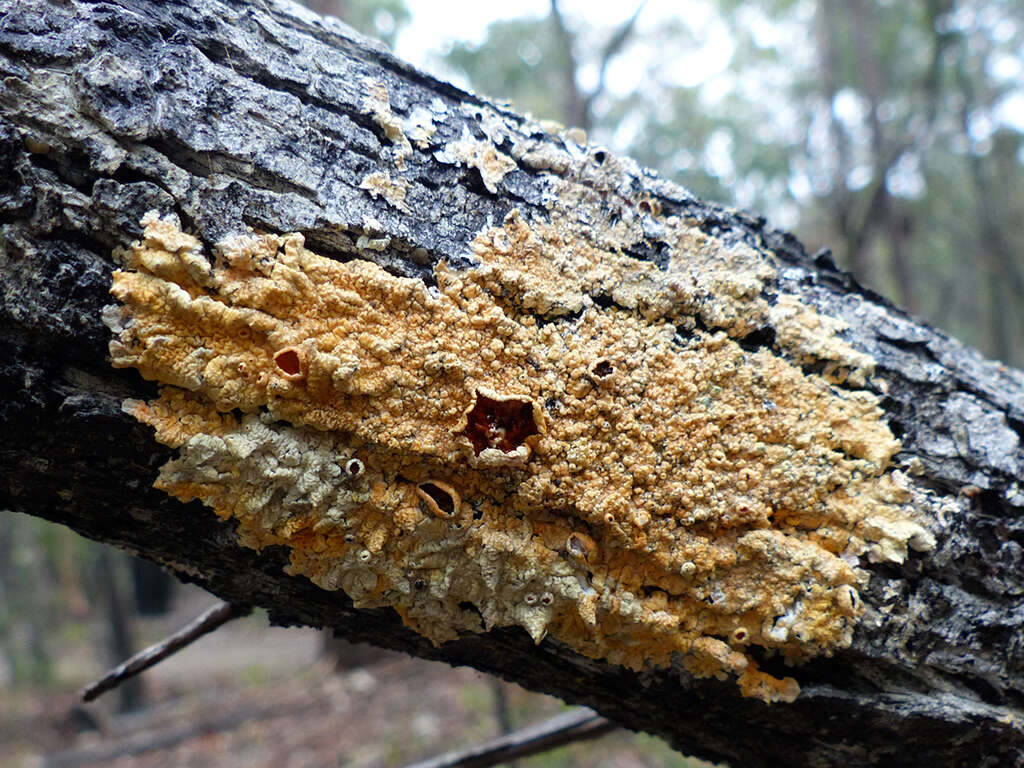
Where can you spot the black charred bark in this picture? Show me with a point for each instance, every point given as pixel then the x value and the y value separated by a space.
pixel 231 114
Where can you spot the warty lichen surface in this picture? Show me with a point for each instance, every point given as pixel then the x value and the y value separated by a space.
pixel 498 449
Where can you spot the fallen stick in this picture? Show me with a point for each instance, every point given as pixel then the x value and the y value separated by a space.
pixel 565 728
pixel 210 620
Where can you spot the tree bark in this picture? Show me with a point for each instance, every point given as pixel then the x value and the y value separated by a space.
pixel 232 114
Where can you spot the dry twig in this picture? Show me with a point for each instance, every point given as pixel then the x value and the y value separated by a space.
pixel 568 727
pixel 210 620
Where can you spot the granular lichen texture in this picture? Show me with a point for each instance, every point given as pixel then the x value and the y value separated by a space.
pixel 498 449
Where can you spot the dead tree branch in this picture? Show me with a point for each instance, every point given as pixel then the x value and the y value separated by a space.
pixel 239 116
pixel 565 728
pixel 207 622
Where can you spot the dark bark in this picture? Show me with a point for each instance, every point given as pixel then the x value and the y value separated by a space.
pixel 232 114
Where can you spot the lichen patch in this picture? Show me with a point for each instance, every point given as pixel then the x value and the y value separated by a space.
pixel 813 337
pixel 501 422
pixel 505 451
pixel 377 104
pixel 492 164
pixel 419 126
pixel 393 190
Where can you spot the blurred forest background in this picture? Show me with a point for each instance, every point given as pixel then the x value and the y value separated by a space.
pixel 889 132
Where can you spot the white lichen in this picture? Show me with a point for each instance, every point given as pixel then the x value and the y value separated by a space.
pixel 492 164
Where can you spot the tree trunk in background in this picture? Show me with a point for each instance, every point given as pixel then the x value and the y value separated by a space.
pixel 573 99
pixel 231 114
pixel 152 588
pixel 345 655
pixel 839 202
pixel 898 225
pixel 119 634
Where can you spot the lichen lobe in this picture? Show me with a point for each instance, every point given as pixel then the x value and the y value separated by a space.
pixel 590 479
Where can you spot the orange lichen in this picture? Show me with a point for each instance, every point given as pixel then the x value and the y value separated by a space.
pixel 392 190
pixel 500 423
pixel 378 105
pixel 491 163
pixel 632 494
pixel 441 499
pixel 290 362
pixel 580 546
pixel 601 369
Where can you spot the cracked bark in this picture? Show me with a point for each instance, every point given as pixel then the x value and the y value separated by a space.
pixel 232 114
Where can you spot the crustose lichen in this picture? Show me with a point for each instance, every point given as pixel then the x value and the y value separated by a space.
pixel 594 479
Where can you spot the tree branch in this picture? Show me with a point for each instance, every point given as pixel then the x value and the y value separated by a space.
pixel 566 728
pixel 239 117
pixel 575 102
pixel 611 49
pixel 207 622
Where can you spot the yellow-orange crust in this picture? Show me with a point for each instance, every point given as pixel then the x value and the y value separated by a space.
pixel 600 479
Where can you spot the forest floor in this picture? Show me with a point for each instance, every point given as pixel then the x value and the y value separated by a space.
pixel 263 697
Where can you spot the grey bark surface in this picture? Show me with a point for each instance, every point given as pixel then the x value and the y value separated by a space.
pixel 233 114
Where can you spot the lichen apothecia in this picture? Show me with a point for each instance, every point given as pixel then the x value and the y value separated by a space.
pixel 498 449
